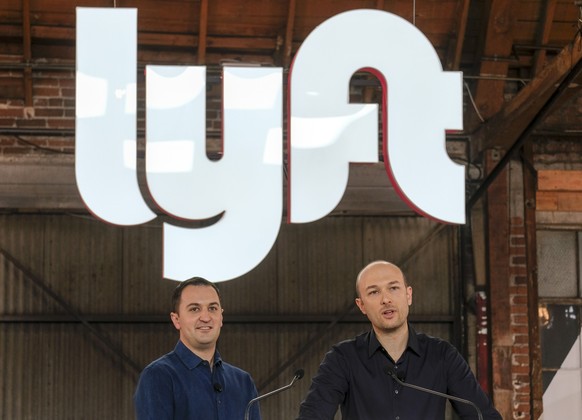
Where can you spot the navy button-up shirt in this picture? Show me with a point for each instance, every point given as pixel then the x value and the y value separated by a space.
pixel 180 385
pixel 353 376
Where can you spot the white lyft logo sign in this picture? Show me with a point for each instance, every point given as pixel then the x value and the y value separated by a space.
pixel 326 133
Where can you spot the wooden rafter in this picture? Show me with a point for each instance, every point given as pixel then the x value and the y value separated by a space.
pixel 453 60
pixel 203 32
pixel 489 91
pixel 544 35
pixel 505 127
pixel 288 44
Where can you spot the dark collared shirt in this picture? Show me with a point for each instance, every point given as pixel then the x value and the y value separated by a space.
pixel 180 385
pixel 353 376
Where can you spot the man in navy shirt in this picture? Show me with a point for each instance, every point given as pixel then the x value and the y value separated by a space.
pixel 354 374
pixel 192 382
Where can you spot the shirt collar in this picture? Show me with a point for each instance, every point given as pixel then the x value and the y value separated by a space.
pixel 374 345
pixel 190 359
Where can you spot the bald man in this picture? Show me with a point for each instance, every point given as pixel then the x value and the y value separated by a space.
pixel 354 375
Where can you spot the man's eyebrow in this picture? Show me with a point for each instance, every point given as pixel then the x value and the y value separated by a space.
pixel 200 304
pixel 390 283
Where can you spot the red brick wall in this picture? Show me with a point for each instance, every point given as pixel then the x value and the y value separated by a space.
pixel 48 124
pixel 507 266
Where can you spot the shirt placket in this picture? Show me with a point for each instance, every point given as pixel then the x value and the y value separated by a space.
pixel 397 391
pixel 399 369
pixel 217 378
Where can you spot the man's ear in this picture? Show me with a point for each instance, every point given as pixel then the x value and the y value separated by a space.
pixel 360 305
pixel 175 320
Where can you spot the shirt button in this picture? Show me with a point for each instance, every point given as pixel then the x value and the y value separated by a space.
pixel 397 417
pixel 396 391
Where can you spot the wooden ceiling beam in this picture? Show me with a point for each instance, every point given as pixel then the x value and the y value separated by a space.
pixel 203 32
pixel 489 90
pixel 502 130
pixel 455 48
pixel 289 30
pixel 167 40
pixel 544 35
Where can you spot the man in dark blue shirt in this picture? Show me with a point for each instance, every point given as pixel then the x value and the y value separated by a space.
pixel 354 373
pixel 192 382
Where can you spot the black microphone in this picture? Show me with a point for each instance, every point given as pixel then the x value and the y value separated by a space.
pixel 217 387
pixel 298 375
pixel 391 373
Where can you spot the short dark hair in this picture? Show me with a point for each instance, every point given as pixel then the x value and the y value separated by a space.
pixel 194 281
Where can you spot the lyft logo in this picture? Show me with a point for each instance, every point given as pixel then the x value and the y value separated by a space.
pixel 244 189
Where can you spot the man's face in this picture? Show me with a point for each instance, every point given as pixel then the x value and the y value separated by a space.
pixel 199 317
pixel 384 297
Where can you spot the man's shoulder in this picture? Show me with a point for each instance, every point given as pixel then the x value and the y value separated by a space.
pixel 434 344
pixel 168 361
pixel 360 340
pixel 234 370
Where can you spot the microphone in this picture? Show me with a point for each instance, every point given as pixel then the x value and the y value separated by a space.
pixel 217 387
pixel 298 375
pixel 391 373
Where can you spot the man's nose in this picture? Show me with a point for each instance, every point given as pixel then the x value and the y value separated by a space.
pixel 205 315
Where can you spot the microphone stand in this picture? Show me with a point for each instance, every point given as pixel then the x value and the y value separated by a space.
pixel 431 391
pixel 298 375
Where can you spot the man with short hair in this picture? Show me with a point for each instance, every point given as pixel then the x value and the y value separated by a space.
pixel 193 382
pixel 356 374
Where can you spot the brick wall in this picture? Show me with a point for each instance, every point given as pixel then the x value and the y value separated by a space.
pixel 47 124
pixel 508 286
pixel 44 126
pixel 520 355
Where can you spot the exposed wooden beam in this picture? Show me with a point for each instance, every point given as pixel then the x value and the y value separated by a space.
pixel 506 126
pixel 167 40
pixel 489 91
pixel 455 49
pixel 203 32
pixel 544 35
pixel 288 45
pixel 497 210
pixel 520 117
